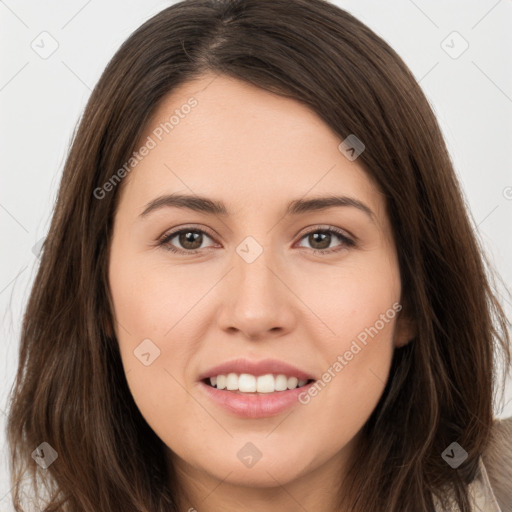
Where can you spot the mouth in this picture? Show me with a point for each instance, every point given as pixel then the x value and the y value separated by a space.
pixel 248 384
pixel 255 397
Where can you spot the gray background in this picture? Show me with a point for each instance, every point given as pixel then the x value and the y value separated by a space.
pixel 42 97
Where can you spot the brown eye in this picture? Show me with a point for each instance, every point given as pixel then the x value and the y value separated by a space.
pixel 320 240
pixel 188 240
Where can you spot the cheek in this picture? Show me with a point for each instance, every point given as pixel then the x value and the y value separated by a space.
pixel 152 300
pixel 161 304
pixel 357 301
pixel 359 308
pixel 154 363
pixel 357 363
pixel 144 312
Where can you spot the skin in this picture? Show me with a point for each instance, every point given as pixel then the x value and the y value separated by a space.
pixel 256 152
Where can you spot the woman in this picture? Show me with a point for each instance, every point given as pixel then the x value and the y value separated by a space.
pixel 260 288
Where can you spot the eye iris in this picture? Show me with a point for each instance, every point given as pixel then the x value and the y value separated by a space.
pixel 190 237
pixel 313 239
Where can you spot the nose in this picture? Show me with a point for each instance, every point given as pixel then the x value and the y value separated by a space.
pixel 257 301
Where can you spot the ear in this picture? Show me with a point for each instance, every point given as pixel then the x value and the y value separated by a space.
pixel 108 329
pixel 107 323
pixel 405 328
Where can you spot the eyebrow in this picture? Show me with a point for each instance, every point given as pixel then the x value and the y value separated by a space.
pixel 296 207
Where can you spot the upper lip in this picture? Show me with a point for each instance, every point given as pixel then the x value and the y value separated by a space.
pixel 256 368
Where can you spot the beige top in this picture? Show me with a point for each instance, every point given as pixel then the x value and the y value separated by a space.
pixel 483 493
pixel 491 491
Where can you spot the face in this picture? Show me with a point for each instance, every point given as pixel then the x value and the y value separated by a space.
pixel 268 283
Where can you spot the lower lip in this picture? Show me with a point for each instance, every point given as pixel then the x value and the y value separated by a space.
pixel 261 405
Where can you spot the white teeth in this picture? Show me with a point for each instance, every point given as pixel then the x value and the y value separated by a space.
pixel 232 382
pixel 247 383
pixel 265 384
pixel 281 383
pixel 221 381
pixel 292 382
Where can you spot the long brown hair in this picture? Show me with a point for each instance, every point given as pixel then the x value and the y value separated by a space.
pixel 71 390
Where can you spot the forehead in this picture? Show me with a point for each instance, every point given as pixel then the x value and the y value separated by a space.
pixel 221 137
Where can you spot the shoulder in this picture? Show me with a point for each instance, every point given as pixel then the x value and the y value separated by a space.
pixel 497 459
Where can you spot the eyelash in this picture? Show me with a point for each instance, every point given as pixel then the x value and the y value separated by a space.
pixel 347 242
